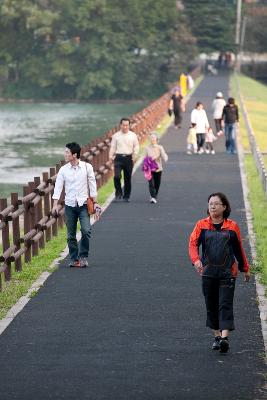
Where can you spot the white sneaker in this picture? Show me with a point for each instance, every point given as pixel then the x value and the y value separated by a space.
pixel 201 151
pixel 153 200
pixel 207 151
pixel 212 151
pixel 188 152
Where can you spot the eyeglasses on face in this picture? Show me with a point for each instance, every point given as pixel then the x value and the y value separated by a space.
pixel 215 204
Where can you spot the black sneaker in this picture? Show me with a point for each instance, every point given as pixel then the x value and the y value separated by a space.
pixel 224 345
pixel 216 343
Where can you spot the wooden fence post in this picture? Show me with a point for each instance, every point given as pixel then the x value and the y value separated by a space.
pixel 27 224
pixel 6 241
pixel 16 230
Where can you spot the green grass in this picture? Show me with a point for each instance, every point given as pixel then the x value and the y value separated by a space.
pixel 256 94
pixel 258 202
pixel 22 281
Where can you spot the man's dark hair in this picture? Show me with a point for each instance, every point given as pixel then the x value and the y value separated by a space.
pixel 224 201
pixel 231 100
pixel 74 148
pixel 125 119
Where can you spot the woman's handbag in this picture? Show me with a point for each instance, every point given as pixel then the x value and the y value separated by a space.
pixel 90 202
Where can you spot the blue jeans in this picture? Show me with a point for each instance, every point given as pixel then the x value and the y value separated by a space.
pixel 229 131
pixel 72 215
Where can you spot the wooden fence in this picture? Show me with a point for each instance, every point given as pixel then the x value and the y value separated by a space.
pixel 26 223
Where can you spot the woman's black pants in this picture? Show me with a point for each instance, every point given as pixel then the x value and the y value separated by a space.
pixel 219 298
pixel 154 184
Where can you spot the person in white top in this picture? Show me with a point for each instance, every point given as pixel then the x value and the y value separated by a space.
pixel 123 151
pixel 217 108
pixel 199 117
pixel 74 176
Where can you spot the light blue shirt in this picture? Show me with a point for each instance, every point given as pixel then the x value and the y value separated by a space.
pixel 75 180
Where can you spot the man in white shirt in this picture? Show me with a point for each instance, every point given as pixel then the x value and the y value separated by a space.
pixel 75 175
pixel 123 151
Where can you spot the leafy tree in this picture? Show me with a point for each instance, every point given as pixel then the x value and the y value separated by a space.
pixel 212 23
pixel 93 48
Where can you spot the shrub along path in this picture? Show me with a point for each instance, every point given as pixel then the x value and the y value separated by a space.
pixel 132 325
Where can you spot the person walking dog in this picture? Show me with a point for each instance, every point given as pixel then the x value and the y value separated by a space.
pixel 77 176
pixel 222 256
pixel 124 149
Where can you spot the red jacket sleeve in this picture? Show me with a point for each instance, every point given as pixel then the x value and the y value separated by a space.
pixel 245 266
pixel 194 243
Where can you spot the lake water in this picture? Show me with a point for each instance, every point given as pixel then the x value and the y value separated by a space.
pixel 33 136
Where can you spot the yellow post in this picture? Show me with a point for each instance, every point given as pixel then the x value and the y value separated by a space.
pixel 183 84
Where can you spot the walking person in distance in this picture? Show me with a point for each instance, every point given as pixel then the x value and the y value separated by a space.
pixel 157 153
pixel 124 150
pixel 177 106
pixel 200 119
pixel 75 176
pixel 230 117
pixel 222 256
pixel 217 108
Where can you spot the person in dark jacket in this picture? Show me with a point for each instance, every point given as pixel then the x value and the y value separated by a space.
pixel 177 105
pixel 221 257
pixel 231 118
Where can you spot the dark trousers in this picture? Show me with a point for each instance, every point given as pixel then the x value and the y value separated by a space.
pixel 154 184
pixel 218 125
pixel 209 146
pixel 219 297
pixel 177 118
pixel 200 140
pixel 72 215
pixel 123 163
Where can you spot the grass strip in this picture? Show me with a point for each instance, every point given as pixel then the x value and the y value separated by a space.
pixel 257 198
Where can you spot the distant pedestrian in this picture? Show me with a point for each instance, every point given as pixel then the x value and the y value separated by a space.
pixel 231 118
pixel 199 117
pixel 209 139
pixel 157 153
pixel 124 150
pixel 177 106
pixel 222 256
pixel 217 108
pixel 192 139
pixel 76 176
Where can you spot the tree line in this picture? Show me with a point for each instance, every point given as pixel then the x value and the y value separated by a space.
pixel 104 49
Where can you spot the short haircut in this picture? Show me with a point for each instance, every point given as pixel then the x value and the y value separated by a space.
pixel 198 104
pixel 125 119
pixel 224 201
pixel 231 100
pixel 193 124
pixel 75 148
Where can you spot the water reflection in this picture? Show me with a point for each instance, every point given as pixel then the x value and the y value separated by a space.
pixel 32 136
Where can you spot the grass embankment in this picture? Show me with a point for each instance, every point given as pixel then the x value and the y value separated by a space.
pixel 255 99
pixel 21 282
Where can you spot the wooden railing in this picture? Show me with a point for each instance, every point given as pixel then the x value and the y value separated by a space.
pixel 26 223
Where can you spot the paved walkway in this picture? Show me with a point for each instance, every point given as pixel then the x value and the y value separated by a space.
pixel 132 326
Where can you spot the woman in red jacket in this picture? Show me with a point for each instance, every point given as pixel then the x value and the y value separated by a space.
pixel 222 256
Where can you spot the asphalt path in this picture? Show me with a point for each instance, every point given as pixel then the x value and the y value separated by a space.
pixel 132 325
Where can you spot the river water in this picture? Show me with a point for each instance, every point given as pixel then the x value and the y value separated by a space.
pixel 33 136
